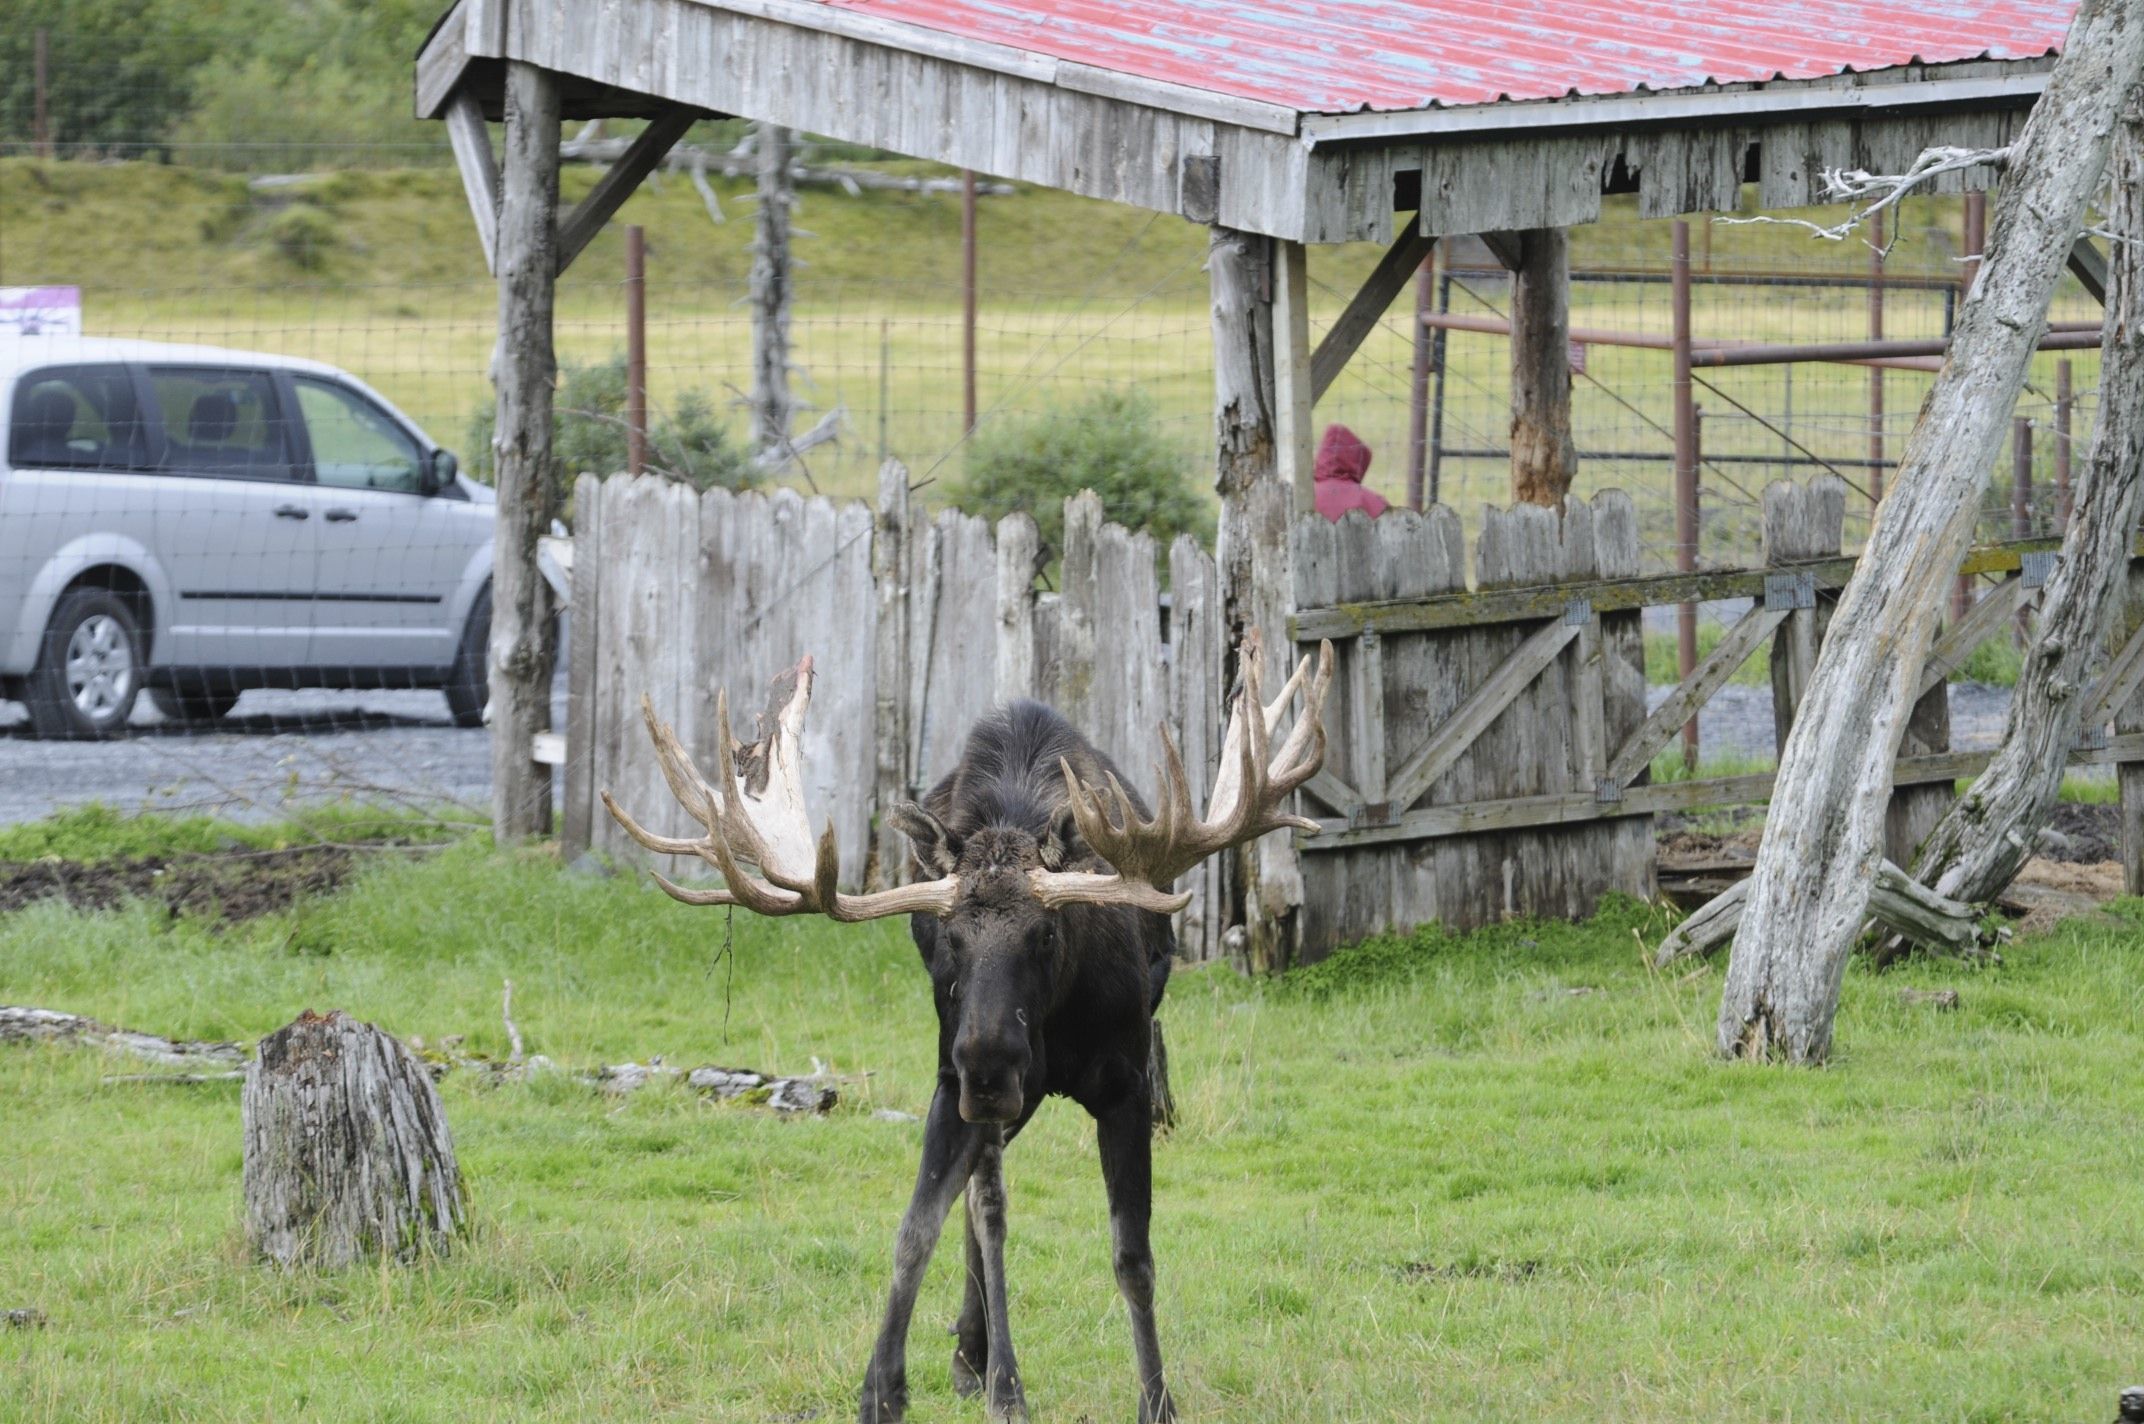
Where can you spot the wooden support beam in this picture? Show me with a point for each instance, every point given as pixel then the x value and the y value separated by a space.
pixel 1524 605
pixel 1394 270
pixel 1292 380
pixel 522 646
pixel 1544 455
pixel 619 182
pixel 2089 266
pixel 1708 677
pixel 1989 613
pixel 471 143
pixel 1482 706
pixel 2120 682
pixel 1577 807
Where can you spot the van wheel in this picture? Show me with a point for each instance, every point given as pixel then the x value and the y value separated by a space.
pixel 88 668
pixel 192 706
pixel 469 684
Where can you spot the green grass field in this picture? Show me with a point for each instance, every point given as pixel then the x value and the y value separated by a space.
pixel 379 272
pixel 1488 1178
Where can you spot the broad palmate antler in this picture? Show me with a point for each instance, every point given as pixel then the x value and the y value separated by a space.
pixel 754 813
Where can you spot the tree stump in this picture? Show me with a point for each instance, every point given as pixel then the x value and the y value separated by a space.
pixel 347 1149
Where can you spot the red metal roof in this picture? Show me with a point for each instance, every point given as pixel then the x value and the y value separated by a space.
pixel 1340 56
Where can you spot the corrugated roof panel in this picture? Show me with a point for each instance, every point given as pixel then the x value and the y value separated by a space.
pixel 1340 56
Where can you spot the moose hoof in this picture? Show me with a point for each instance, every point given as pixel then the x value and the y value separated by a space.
pixel 967 1382
pixel 882 1403
pixel 1158 1411
pixel 1008 1402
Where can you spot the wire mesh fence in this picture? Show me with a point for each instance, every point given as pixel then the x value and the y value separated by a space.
pixel 182 222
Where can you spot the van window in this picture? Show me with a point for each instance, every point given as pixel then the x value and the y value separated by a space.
pixel 75 418
pixel 219 422
pixel 355 444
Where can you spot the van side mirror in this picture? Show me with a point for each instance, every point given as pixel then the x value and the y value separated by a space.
pixel 442 471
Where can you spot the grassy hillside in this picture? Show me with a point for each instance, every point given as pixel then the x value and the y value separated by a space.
pixel 379 272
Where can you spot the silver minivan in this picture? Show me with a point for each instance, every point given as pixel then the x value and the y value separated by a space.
pixel 191 522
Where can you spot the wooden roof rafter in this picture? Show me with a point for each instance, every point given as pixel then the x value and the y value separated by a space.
pixel 473 156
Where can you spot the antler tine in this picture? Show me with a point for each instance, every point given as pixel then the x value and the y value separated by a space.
pixel 700 800
pixel 1304 751
pixel 661 845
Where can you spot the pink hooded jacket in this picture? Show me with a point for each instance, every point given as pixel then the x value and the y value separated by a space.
pixel 1342 462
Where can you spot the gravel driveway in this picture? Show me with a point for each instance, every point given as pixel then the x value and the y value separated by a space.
pixel 274 751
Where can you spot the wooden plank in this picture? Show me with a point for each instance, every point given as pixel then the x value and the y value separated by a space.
pixel 585 622
pixel 1481 707
pixel 2089 266
pixel 479 168
pixel 1707 678
pixel 1368 306
pixel 1990 612
pixel 1572 808
pixel 441 64
pixel 619 182
pixel 891 774
pixel 1194 680
pixel 1521 605
pixel 2119 683
pixel 1588 725
pixel 1366 731
pixel 1019 552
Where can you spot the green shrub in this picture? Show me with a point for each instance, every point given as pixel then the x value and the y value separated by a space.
pixel 303 236
pixel 686 442
pixel 1110 442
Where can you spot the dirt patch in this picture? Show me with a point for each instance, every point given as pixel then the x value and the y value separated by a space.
pixel 2076 834
pixel 2049 891
pixel 228 888
pixel 2083 835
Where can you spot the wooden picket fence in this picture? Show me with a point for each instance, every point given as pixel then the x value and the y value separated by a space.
pixel 1490 735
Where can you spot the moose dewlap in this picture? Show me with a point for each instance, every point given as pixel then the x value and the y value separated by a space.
pixel 347 1150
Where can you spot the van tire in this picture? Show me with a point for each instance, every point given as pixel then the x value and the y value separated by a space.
pixel 100 627
pixel 188 707
pixel 469 684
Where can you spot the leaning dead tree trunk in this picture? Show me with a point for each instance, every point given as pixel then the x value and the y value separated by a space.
pixel 1809 892
pixel 771 286
pixel 347 1150
pixel 1976 850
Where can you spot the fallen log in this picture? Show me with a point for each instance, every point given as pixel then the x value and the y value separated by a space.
pixel 1897 902
pixel 26 1025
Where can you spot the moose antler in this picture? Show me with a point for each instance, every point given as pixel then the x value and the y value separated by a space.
pixel 756 817
pixel 1248 789
pixel 754 812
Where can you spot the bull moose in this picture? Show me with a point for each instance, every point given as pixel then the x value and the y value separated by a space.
pixel 1042 917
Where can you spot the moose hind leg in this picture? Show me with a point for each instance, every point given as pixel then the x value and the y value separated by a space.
pixel 1125 1134
pixel 971 1341
pixel 949 1147
pixel 1003 1397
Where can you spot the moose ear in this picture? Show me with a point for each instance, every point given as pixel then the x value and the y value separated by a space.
pixel 933 845
pixel 1062 845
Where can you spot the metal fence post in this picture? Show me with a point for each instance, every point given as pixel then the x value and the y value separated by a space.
pixel 1685 473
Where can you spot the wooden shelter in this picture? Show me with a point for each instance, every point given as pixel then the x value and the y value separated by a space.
pixel 1279 123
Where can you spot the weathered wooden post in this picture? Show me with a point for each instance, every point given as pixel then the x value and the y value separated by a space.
pixel 347 1153
pixel 1252 549
pixel 523 643
pixel 1544 455
pixel 771 284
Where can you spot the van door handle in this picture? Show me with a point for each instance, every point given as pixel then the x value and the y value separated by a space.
pixel 341 516
pixel 292 511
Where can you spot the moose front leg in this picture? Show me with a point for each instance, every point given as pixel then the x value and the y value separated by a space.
pixel 1126 1137
pixel 949 1152
pixel 1003 1396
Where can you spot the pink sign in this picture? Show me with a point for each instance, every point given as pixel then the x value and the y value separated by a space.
pixel 41 311
pixel 1577 355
